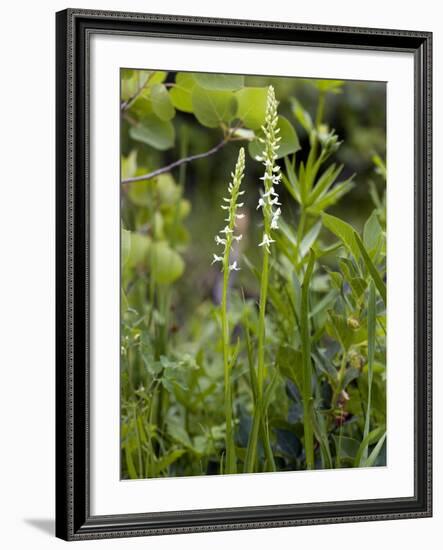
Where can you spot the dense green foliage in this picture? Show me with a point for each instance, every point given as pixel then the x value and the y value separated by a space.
pixel 281 365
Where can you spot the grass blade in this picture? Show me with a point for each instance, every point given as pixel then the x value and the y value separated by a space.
pixel 371 352
pixel 375 452
pixel 371 438
pixel 381 287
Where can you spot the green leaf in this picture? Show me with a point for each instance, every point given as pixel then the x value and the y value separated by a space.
pixel 215 81
pixel 336 279
pixel 290 363
pixel 372 232
pixel 321 434
pixel 168 191
pixel 348 446
pixel 309 239
pixel 130 464
pixel 370 439
pixel 375 452
pixel 126 74
pixel 324 183
pixel 181 92
pixel 381 287
pixel 166 460
pixel 125 246
pixel 213 107
pixel 129 165
pixel 139 249
pixel 337 327
pixel 303 117
pixel 380 166
pixel 141 192
pixel 178 433
pixel 289 141
pixel 252 106
pixel 343 231
pixel 161 102
pixel 290 180
pixel 155 132
pixel 157 77
pixel 166 264
pixel 337 192
pixel 357 284
pixel 331 86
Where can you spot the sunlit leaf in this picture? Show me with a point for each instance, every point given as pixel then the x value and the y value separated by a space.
pixel 166 264
pixel 219 81
pixel 155 132
pixel 343 231
pixel 252 106
pixel 161 102
pixel 181 92
pixel 213 107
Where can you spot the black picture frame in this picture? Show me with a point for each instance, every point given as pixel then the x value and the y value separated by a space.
pixel 74 521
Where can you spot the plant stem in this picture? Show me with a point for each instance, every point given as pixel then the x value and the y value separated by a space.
pixel 259 426
pixel 340 377
pixel 320 109
pixel 230 450
pixel 261 323
pixel 371 352
pixel 307 365
pixel 226 240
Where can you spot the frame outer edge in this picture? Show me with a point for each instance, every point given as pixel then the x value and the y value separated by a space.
pixel 72 513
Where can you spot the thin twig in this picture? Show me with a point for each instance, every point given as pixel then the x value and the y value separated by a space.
pixel 178 162
pixel 126 104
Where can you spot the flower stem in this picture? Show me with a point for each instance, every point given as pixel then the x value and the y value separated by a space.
pixel 230 467
pixel 226 238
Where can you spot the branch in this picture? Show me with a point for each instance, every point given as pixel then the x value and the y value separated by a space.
pixel 178 162
pixel 126 104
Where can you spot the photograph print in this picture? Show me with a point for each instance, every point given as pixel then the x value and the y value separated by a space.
pixel 253 274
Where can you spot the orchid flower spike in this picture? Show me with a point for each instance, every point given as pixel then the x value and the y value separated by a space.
pixel 271 178
pixel 227 235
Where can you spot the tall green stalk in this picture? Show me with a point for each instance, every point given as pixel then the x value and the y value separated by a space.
pixel 307 365
pixel 226 240
pixel 267 201
pixel 230 467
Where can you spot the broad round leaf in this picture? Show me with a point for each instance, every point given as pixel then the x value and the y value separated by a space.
pixel 166 264
pixel 125 246
pixel 129 165
pixel 139 249
pixel 212 107
pixel 180 93
pixel 140 192
pixel 219 81
pixel 289 141
pixel 252 106
pixel 168 191
pixel 126 74
pixel 157 77
pixel 155 132
pixel 161 102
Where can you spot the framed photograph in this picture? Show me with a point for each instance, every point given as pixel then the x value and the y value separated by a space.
pixel 243 274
